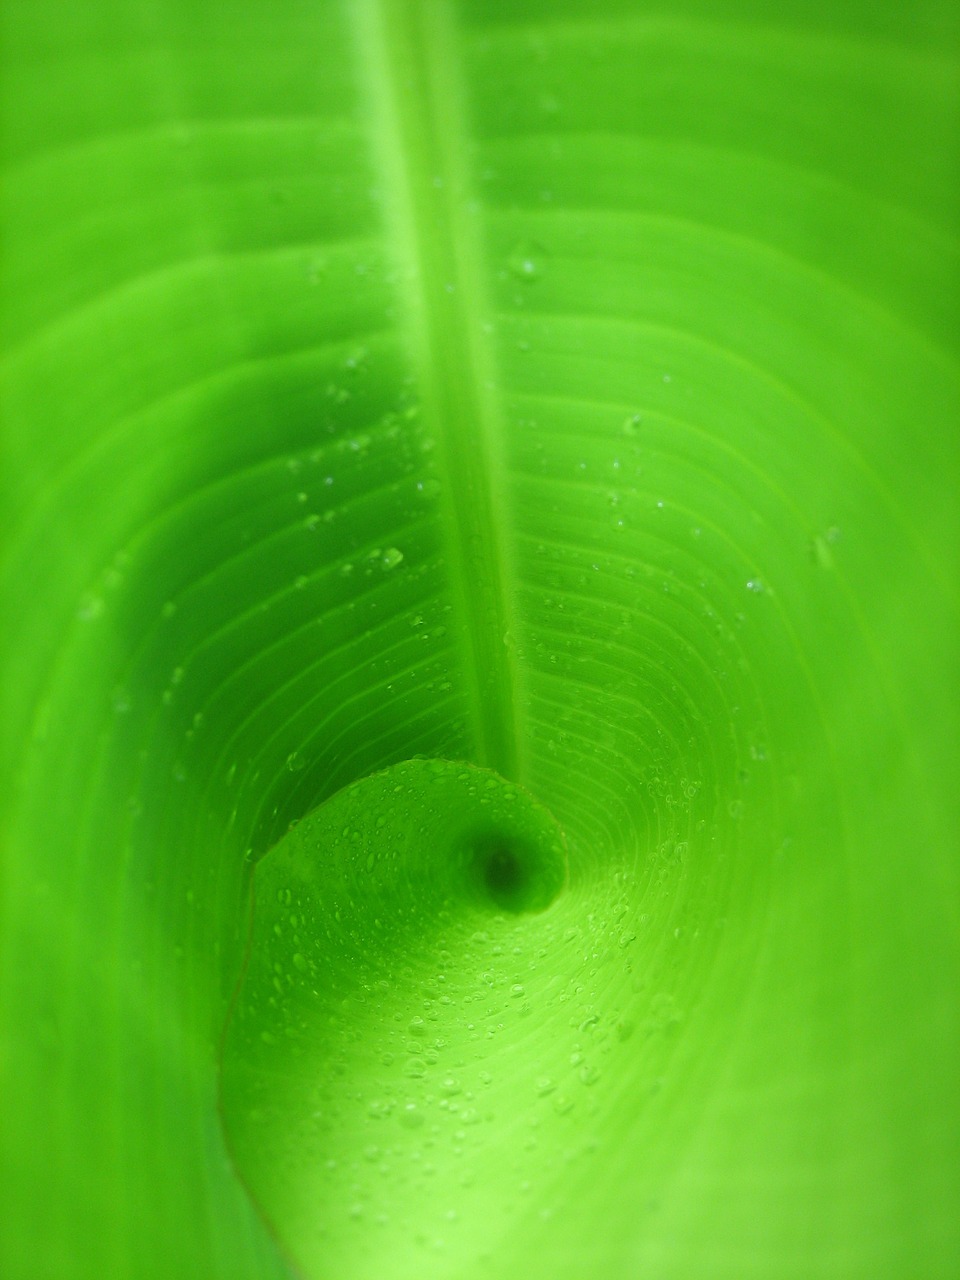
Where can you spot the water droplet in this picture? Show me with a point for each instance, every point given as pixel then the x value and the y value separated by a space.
pixel 526 261
pixel 820 552
pixel 316 268
pixel 295 762
pixel 755 585
pixel 411 1117
pixel 392 557
pixel 821 548
pixel 91 606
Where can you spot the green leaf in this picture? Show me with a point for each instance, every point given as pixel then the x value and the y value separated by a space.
pixel 564 392
pixel 420 868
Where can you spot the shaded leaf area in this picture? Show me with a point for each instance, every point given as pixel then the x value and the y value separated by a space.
pixel 564 390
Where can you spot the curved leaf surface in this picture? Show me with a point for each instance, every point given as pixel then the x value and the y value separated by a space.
pixel 568 390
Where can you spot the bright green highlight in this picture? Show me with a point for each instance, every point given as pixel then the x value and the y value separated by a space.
pixel 409 53
pixel 384 932
pixel 565 387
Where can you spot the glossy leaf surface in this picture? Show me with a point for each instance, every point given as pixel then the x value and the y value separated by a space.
pixel 564 390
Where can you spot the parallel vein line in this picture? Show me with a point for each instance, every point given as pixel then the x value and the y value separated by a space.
pixel 409 51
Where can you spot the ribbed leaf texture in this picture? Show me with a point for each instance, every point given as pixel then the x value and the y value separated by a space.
pixel 480 599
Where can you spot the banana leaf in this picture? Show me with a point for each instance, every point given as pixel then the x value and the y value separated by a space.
pixel 479 597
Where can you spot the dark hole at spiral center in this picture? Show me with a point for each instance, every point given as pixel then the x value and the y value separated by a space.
pixel 512 872
pixel 506 872
pixel 504 875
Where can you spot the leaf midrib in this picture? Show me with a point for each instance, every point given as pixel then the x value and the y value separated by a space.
pixel 410 58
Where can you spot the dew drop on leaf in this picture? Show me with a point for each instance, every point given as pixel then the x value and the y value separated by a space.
pixel 526 261
pixel 91 606
pixel 411 1117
